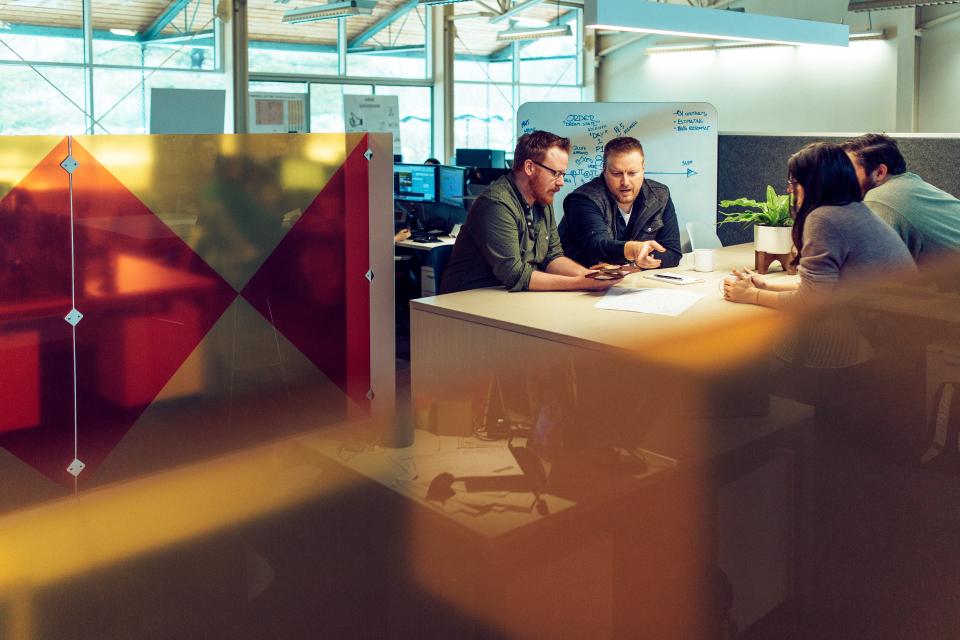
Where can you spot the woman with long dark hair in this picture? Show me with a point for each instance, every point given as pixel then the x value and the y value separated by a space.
pixel 838 238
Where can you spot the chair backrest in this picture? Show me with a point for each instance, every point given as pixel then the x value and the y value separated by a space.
pixel 439 257
pixel 703 236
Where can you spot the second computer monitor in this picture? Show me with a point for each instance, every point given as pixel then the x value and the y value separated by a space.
pixel 487 158
pixel 415 182
pixel 452 185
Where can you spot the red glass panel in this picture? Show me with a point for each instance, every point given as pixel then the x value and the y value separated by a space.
pixel 313 288
pixel 147 300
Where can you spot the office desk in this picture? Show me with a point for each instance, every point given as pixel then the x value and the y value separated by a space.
pixel 525 574
pixel 458 339
pixel 442 241
pixel 684 386
pixel 433 257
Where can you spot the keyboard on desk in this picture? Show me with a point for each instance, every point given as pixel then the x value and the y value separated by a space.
pixel 424 238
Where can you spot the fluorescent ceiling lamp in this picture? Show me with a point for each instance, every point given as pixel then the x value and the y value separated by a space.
pixel 728 44
pixel 879 5
pixel 123 32
pixel 552 31
pixel 329 11
pixel 715 24
pixel 869 35
pixel 427 3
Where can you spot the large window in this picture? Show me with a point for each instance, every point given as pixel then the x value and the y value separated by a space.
pixel 484 116
pixel 389 43
pixel 46 83
pixel 392 45
pixel 31 104
pixel 383 53
pixel 135 47
pixel 494 77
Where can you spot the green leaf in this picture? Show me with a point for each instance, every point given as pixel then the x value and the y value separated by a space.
pixel 740 202
pixel 775 212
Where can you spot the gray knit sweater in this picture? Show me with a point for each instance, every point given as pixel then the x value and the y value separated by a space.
pixel 843 244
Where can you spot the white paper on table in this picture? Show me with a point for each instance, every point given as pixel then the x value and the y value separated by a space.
pixel 468 462
pixel 663 302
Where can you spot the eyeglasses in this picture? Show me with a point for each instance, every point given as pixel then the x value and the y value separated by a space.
pixel 557 175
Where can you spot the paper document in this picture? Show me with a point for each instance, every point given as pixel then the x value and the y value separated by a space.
pixel 663 302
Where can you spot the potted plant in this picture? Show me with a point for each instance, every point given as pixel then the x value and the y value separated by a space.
pixel 772 233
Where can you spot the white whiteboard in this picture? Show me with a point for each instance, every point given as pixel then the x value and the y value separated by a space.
pixel 679 143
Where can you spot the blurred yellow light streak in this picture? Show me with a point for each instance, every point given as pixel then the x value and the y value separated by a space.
pixel 722 348
pixel 67 538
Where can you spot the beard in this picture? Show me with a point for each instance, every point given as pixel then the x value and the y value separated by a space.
pixel 546 198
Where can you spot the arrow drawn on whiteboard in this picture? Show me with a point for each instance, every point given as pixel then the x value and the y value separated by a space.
pixel 689 172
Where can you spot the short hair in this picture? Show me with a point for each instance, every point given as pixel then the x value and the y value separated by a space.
pixel 432 161
pixel 534 146
pixel 874 149
pixel 623 144
pixel 827 177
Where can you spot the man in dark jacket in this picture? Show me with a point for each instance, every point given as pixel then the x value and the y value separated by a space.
pixel 618 216
pixel 510 236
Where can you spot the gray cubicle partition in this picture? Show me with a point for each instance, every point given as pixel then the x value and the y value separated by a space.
pixel 747 163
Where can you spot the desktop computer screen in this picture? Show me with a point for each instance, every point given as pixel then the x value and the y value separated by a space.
pixel 487 158
pixel 415 182
pixel 452 185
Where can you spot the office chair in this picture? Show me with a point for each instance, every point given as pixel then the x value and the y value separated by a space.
pixel 439 257
pixel 703 236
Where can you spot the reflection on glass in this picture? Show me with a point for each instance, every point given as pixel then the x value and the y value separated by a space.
pixel 211 297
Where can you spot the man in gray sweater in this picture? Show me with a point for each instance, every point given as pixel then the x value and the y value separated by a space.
pixel 925 217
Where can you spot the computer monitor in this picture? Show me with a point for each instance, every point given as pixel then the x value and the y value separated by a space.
pixel 415 182
pixel 484 177
pixel 487 158
pixel 452 185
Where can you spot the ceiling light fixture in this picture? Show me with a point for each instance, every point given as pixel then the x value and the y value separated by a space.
pixel 727 44
pixel 879 5
pixel 550 31
pixel 342 9
pixel 123 32
pixel 430 3
pixel 869 35
pixel 715 24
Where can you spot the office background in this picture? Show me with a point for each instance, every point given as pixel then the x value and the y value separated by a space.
pixel 458 86
pixel 71 67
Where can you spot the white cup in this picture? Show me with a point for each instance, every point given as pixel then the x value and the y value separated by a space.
pixel 703 259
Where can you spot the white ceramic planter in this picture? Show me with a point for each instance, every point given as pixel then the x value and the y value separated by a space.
pixel 776 240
